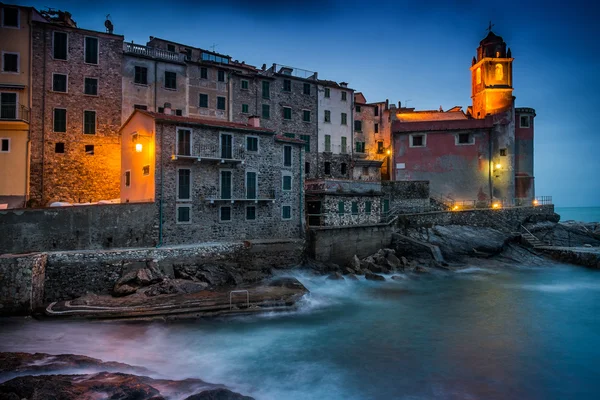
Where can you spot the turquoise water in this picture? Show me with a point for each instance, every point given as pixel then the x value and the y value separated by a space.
pixel 511 333
pixel 584 214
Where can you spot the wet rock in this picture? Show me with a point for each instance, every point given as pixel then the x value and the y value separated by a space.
pixel 332 267
pixel 389 251
pixel 404 261
pixel 380 269
pixel 355 263
pixel 218 394
pixel 374 277
pixel 348 270
pixel 336 276
pixel 420 269
pixel 351 277
pixel 394 262
pixel 137 275
pixel 287 282
pixel 397 277
pixel 123 290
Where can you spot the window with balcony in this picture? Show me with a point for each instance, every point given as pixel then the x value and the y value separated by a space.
pixel 59 83
pixel 287 156
pixel 251 184
pixel 89 122
pixel 225 184
pixel 91 86
pixel 60 42
pixel 10 62
pixel 60 120
pixel 91 50
pixel 170 80
pixel 203 101
pixel 184 142
pixel 286 212
pixel 266 111
pixel 306 88
pixel 226 146
pixel 252 144
pixel 171 48
pixel 141 76
pixel 220 103
pixel 287 85
pixel 184 184
pixel 10 17
pixel 287 113
pixel 8 105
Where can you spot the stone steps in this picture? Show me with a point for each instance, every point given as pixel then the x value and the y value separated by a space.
pixel 532 240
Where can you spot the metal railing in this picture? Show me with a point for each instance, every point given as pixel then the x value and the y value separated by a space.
pixel 14 112
pixel 542 200
pixel 213 151
pixel 153 52
pixel 238 194
pixel 293 71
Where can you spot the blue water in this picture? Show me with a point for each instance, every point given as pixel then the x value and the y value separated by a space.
pixel 510 333
pixel 584 214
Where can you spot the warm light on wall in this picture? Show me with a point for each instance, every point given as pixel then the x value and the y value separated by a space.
pixel 498 166
pixel 496 205
pixel 138 147
pixel 389 152
pixel 535 202
pixel 455 208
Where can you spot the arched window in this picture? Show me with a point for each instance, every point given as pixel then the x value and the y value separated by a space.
pixel 478 75
pixel 499 72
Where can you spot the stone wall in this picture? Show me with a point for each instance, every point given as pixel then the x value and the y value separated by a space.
pixel 407 196
pixel 75 228
pixel 21 283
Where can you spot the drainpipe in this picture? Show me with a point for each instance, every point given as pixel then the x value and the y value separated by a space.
pixel 28 144
pixel 301 185
pixel 490 164
pixel 229 97
pixel 318 175
pixel 43 117
pixel 160 203
pixel 155 86
pixel 352 132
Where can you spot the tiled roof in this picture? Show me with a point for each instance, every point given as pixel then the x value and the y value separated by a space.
pixel 282 138
pixel 203 121
pixel 430 115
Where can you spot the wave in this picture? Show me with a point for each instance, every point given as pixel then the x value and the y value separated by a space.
pixel 556 288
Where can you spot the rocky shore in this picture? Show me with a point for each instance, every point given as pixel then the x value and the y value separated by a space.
pixel 69 377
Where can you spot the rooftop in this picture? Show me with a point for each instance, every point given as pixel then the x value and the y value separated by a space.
pixel 175 119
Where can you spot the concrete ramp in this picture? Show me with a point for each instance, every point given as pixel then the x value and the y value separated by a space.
pixel 433 249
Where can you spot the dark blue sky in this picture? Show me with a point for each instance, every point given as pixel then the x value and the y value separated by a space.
pixel 418 51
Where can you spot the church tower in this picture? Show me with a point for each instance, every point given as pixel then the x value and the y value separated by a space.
pixel 491 77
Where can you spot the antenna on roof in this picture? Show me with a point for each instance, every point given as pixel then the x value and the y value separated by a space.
pixel 213 47
pixel 108 24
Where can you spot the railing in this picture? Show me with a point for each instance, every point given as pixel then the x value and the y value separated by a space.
pixel 14 112
pixel 153 52
pixel 217 151
pixel 542 200
pixel 238 194
pixel 296 72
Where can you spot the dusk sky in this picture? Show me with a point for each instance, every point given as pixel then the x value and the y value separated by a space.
pixel 418 51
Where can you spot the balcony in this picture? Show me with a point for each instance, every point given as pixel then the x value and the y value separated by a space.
pixel 153 52
pixel 239 196
pixel 14 113
pixel 212 154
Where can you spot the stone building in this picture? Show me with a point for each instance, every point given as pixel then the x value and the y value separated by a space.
pixel 76 101
pixel 213 180
pixel 15 103
pixel 474 157
pixel 335 130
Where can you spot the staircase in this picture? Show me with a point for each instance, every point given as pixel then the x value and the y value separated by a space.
pixel 531 239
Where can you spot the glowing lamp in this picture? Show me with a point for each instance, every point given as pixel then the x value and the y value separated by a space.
pixel 498 166
pixel 455 208
pixel 535 202
pixel 389 152
pixel 138 147
pixel 496 205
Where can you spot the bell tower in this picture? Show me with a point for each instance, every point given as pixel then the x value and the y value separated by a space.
pixel 491 77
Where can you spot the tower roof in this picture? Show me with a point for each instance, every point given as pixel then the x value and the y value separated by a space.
pixel 491 38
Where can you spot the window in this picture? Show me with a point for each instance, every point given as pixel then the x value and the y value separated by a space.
pixel 266 90
pixel 161 110
pixel 59 147
pixel 327 168
pixel 499 72
pixel 327 116
pixel 287 182
pixel 340 208
pixel 287 85
pixel 225 214
pixel 146 170
pixel 327 92
pixel 184 142
pixel 252 143
pixel 226 146
pixel 91 50
pixel 140 107
pixel 203 73
pixel 179 112
pixel 376 111
pixel 287 113
pixel 59 83
pixel 344 119
pixel 380 147
pixel 306 88
pixel 141 76
pixel 358 109
pixel 465 138
pixel 225 184
pixel 417 141
pixel 221 75
pixel 251 185
pixel 524 121
pixel 89 149
pixel 188 54
pixel 478 75
pixel 8 105
pixel 89 122
pixel 503 152
pixel 360 147
pixel 266 111
pixel 245 108
pixel 286 212
pixel 220 103
pixel 376 128
pixel 250 213
pixel 170 80
pixel 59 45
pixel 5 145
pixel 343 169
pixel 245 84
pixel 327 143
pixel 344 96
pixel 367 207
pixel 127 178
pixel 203 101
pixel 307 168
pixel 306 139
pixel 344 143
pixel 91 86
pixel 10 62
pixel 171 48
pixel 60 120
pixel 184 184
pixel 184 212
pixel 365 171
pixel 386 205
pixel 306 115
pixel 10 17
pixel 287 156
pixel 354 208
pixel 358 126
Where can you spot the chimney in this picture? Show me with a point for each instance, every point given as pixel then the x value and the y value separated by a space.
pixel 254 121
pixel 167 109
pixel 344 84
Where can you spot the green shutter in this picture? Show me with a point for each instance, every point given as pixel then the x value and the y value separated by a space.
pixel 306 138
pixel 341 208
pixel 367 207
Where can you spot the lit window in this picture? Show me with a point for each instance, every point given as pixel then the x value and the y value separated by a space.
pixel 478 75
pixel 499 72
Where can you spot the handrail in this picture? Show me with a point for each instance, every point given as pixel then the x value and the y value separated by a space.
pixel 239 291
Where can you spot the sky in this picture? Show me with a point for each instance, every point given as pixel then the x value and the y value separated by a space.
pixel 416 52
